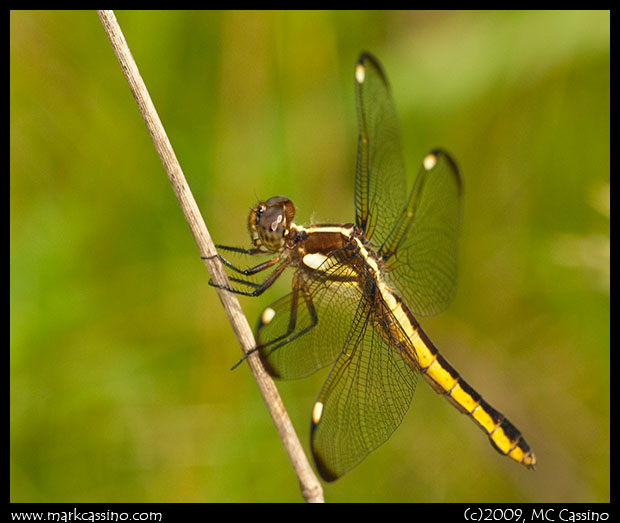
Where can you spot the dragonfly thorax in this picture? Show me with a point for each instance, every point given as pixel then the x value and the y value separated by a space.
pixel 269 223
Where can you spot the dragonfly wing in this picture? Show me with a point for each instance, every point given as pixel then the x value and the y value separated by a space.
pixel 421 251
pixel 364 398
pixel 306 329
pixel 380 184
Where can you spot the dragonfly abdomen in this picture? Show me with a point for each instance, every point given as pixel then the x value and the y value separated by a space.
pixel 444 378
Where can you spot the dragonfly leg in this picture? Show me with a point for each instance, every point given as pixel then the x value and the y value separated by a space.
pixel 249 252
pixel 240 250
pixel 258 288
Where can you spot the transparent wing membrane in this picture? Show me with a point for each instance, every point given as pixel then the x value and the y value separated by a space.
pixel 307 328
pixel 365 396
pixel 418 233
pixel 380 185
pixel 421 250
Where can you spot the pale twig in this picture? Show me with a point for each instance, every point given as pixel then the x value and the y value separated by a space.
pixel 310 487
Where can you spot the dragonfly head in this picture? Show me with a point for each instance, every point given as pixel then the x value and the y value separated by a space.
pixel 269 223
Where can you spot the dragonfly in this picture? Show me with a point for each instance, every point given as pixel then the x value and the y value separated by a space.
pixel 356 289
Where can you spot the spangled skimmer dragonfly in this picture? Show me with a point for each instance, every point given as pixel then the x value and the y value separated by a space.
pixel 356 288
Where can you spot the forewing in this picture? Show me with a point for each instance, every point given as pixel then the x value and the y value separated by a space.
pixel 380 184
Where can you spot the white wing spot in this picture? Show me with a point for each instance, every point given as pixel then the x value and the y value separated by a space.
pixel 267 315
pixel 317 412
pixel 360 73
pixel 430 160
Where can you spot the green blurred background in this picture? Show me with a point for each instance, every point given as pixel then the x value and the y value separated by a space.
pixel 120 351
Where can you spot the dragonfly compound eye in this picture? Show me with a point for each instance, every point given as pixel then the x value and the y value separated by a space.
pixel 270 221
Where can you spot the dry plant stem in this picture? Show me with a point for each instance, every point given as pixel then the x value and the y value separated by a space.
pixel 310 487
